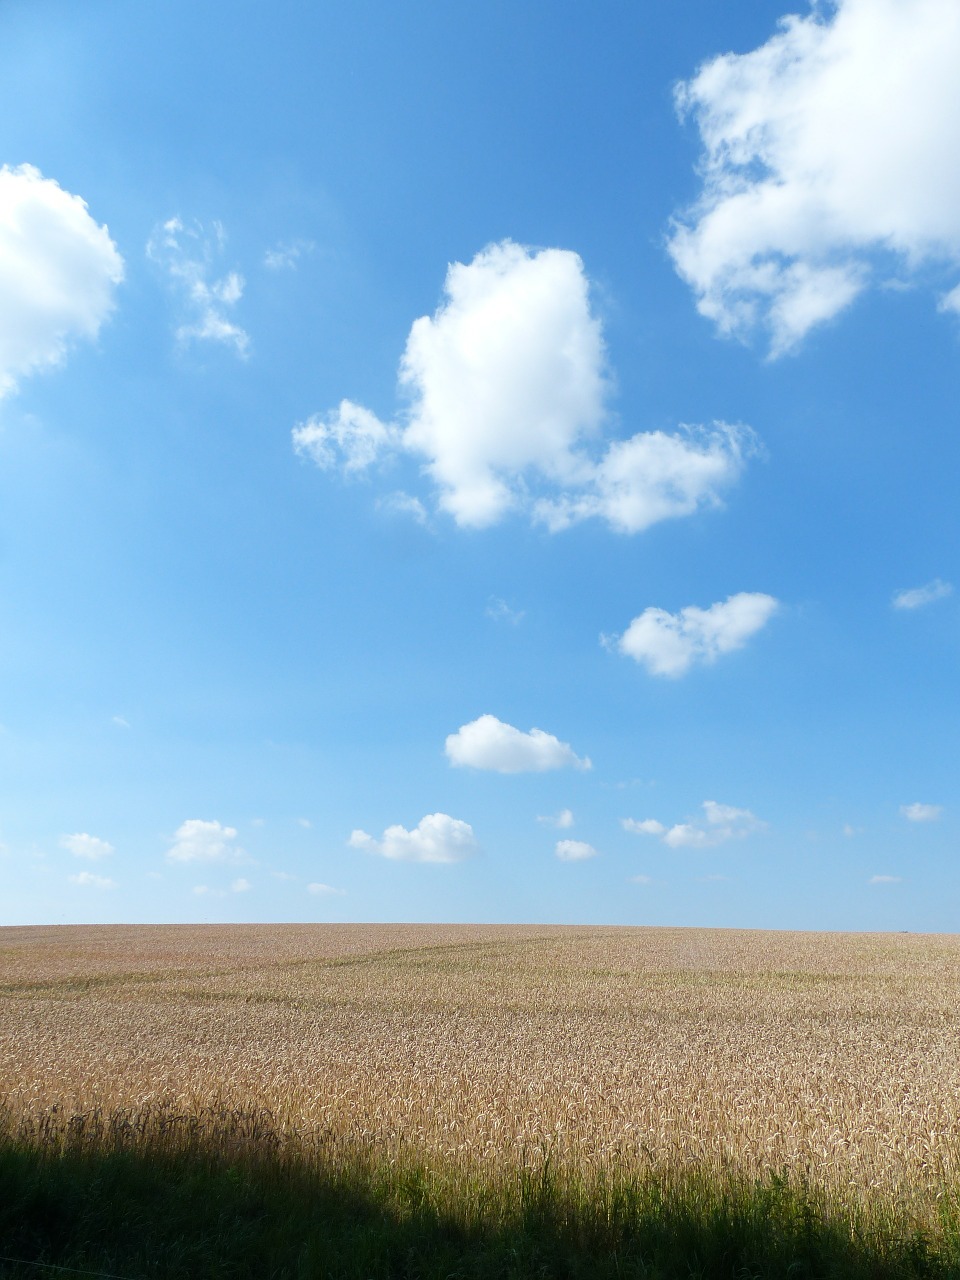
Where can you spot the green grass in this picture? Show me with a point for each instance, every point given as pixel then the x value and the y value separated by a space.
pixel 195 1209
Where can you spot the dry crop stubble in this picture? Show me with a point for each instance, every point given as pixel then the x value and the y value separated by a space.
pixel 833 1057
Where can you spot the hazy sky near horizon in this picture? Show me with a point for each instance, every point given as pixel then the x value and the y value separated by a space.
pixel 481 462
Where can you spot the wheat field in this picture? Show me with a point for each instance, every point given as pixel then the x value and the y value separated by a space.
pixel 833 1058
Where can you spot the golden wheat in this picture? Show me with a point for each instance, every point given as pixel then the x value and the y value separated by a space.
pixel 833 1057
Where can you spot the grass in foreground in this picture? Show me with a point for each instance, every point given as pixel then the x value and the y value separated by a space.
pixel 197 1209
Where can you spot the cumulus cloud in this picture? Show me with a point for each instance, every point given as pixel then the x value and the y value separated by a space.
pixel 828 150
pixel 188 255
pixel 574 850
pixel 508 386
pixel 488 743
pixel 199 841
pixel 916 597
pixel 82 845
pixel 669 644
pixel 436 838
pixel 91 881
pixel 719 823
pixel 921 812
pixel 562 820
pixel 58 273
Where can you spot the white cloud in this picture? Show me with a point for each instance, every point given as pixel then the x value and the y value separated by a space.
pixel 236 886
pixel 285 255
pixel 508 392
pixel 921 812
pixel 82 845
pixel 58 273
pixel 574 850
pixel 436 838
pixel 120 721
pixel 188 255
pixel 199 841
pixel 668 644
pixel 641 880
pixel 323 890
pixel 89 880
pixel 916 597
pixel 720 823
pixel 349 437
pixel 562 820
pixel 654 476
pixel 500 611
pixel 884 879
pixel 404 504
pixel 648 827
pixel 305 823
pixel 831 144
pixel 488 743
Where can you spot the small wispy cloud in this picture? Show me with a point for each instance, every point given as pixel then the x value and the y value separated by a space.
pixel 88 880
pixel 120 721
pixel 562 820
pixel 240 885
pixel 188 254
pixel 82 845
pixel 286 254
pixel 319 889
pixel 884 880
pixel 720 823
pixel 917 597
pixel 197 840
pixel 921 812
pixel 574 850
pixel 404 504
pixel 500 611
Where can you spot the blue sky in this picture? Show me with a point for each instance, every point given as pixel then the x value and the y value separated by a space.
pixel 382 384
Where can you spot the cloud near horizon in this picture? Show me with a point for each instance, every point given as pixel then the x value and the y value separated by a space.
pixel 59 272
pixel 489 743
pixel 508 387
pixel 719 824
pixel 829 158
pixel 436 838
pixel 669 644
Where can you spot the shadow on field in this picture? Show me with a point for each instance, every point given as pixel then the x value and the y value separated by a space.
pixel 194 1214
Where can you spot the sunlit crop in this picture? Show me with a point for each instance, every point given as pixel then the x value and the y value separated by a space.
pixel 833 1058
